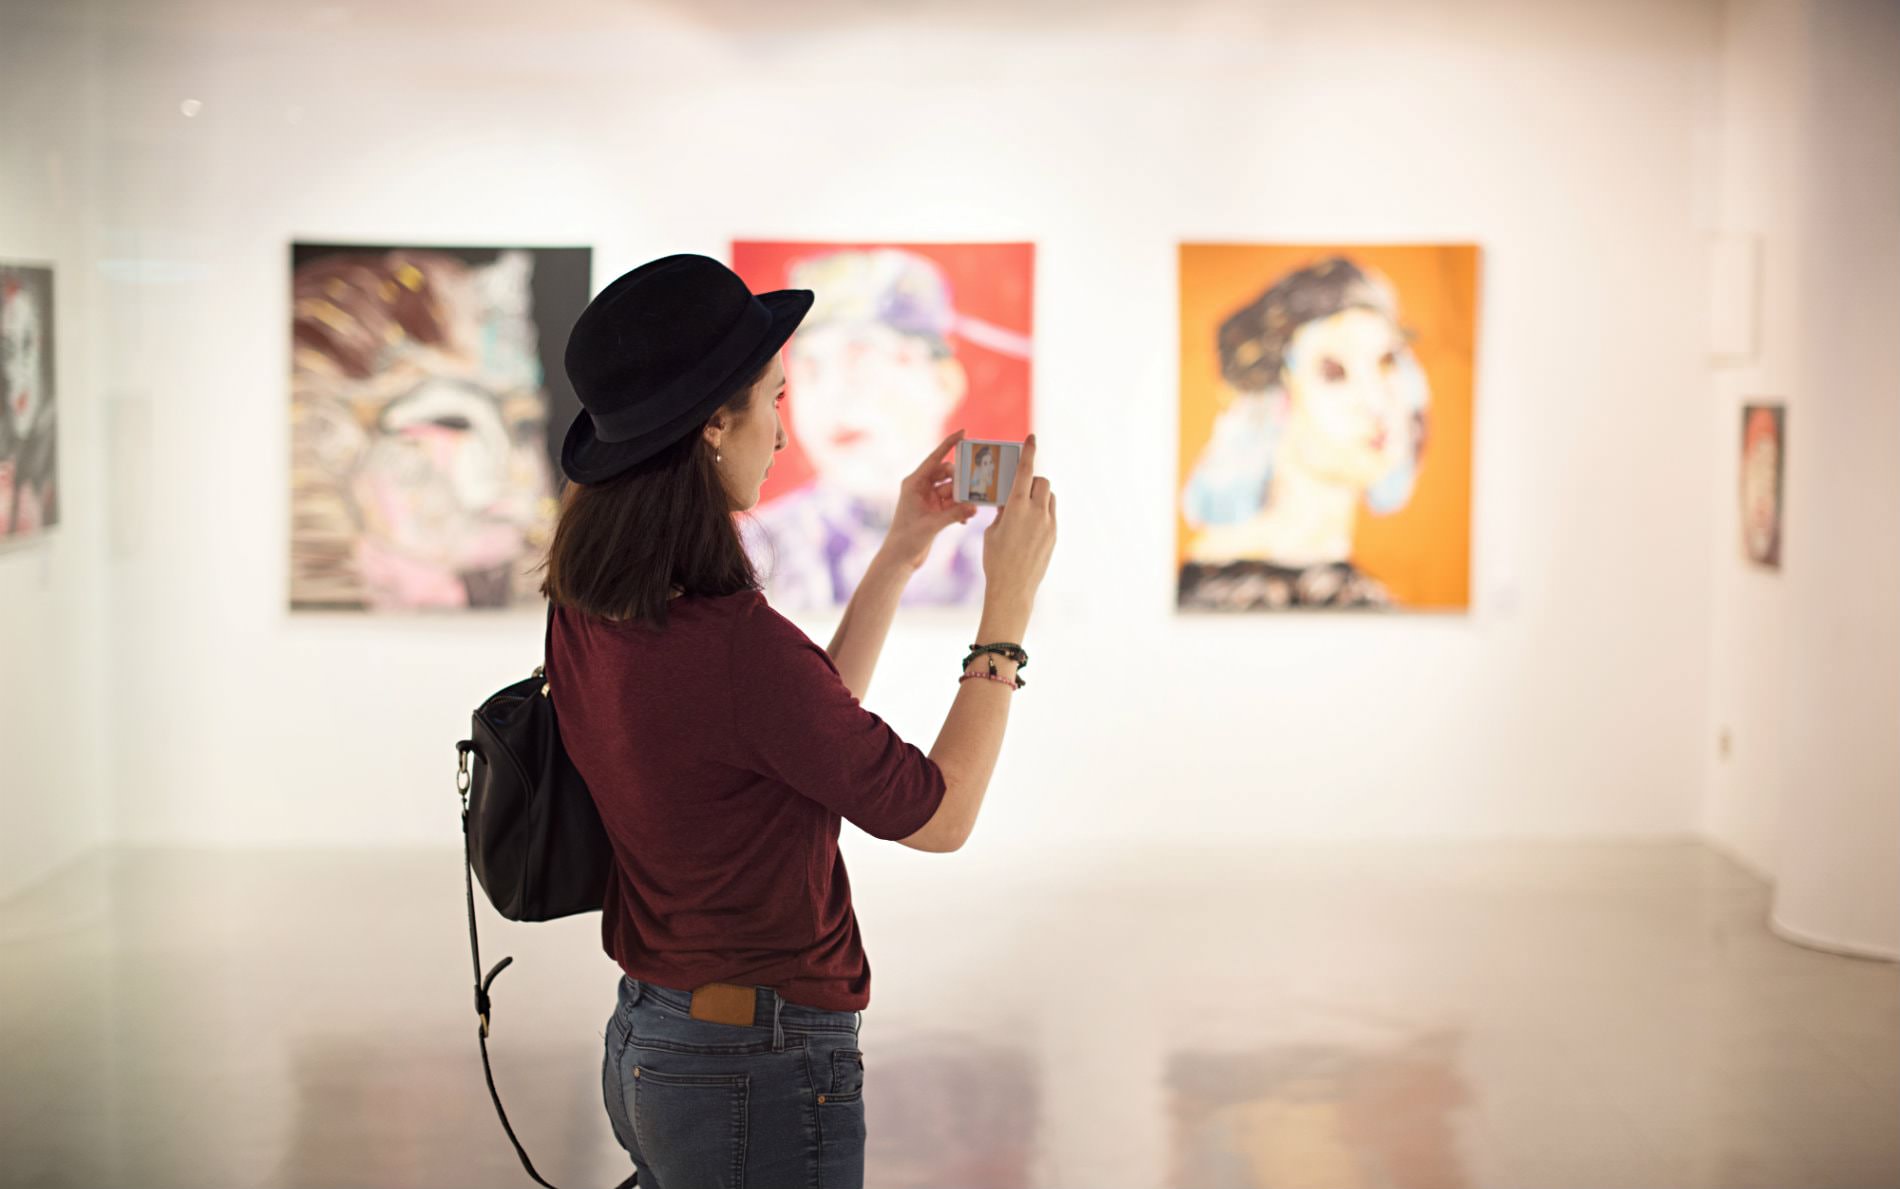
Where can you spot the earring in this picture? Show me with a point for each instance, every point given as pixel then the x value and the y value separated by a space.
pixel 718 457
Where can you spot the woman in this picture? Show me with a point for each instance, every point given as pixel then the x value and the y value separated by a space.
pixel 723 747
pixel 1328 413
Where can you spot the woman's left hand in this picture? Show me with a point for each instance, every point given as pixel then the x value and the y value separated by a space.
pixel 926 505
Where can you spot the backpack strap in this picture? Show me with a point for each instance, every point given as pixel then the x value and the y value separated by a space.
pixel 483 1004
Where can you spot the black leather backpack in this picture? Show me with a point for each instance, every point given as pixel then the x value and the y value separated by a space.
pixel 530 831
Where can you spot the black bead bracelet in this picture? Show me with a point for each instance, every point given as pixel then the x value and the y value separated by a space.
pixel 1007 651
pixel 1013 652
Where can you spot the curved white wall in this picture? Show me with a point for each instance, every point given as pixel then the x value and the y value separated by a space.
pixel 1838 874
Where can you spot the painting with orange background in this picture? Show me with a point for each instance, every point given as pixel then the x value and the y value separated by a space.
pixel 1326 417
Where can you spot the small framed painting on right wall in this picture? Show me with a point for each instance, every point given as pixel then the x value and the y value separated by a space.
pixel 1764 446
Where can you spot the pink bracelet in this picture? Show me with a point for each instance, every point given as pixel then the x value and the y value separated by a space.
pixel 986 677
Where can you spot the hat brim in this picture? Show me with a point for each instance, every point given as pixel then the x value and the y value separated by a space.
pixel 587 459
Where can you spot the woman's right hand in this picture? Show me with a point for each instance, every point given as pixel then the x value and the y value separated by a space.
pixel 1017 545
pixel 1016 549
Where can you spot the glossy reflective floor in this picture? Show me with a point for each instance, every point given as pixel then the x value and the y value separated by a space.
pixel 1497 1015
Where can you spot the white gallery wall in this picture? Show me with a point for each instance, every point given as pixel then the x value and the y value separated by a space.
pixel 1838 882
pixel 1575 141
pixel 1806 661
pixel 1755 194
pixel 54 712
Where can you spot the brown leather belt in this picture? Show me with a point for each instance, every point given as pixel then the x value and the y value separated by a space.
pixel 724 1003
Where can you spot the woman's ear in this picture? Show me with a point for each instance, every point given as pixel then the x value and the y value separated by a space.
pixel 715 429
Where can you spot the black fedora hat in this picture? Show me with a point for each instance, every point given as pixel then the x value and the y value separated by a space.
pixel 659 351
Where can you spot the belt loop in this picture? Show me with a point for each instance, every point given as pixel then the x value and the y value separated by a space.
pixel 778 1032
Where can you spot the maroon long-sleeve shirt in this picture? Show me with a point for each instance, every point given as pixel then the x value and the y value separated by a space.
pixel 723 750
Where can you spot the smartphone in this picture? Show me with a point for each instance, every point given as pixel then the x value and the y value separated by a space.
pixel 986 470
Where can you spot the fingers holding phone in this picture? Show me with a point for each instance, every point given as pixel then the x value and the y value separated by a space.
pixel 1018 544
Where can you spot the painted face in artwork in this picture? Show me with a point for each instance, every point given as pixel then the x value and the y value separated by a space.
pixel 1350 385
pixel 983 473
pixel 863 395
pixel 22 366
pixel 448 482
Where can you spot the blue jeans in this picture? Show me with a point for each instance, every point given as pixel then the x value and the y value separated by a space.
pixel 699 1105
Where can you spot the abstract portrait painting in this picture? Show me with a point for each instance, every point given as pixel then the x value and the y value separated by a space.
pixel 428 403
pixel 1326 423
pixel 1764 437
pixel 29 438
pixel 904 343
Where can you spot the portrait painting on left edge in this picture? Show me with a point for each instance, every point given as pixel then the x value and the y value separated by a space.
pixel 428 403
pixel 29 430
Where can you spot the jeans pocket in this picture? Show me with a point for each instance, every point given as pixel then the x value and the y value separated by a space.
pixel 847 1076
pixel 841 1128
pixel 691 1127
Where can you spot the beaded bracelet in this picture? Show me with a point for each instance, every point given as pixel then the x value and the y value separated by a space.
pixel 989 677
pixel 1014 683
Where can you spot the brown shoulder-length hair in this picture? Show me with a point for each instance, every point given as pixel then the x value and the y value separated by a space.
pixel 622 547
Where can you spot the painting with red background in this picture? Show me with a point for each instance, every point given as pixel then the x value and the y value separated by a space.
pixel 990 284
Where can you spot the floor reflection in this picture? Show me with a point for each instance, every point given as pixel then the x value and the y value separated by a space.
pixel 1318 1116
pixel 928 1099
pixel 396 1110
pixel 1536 1017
